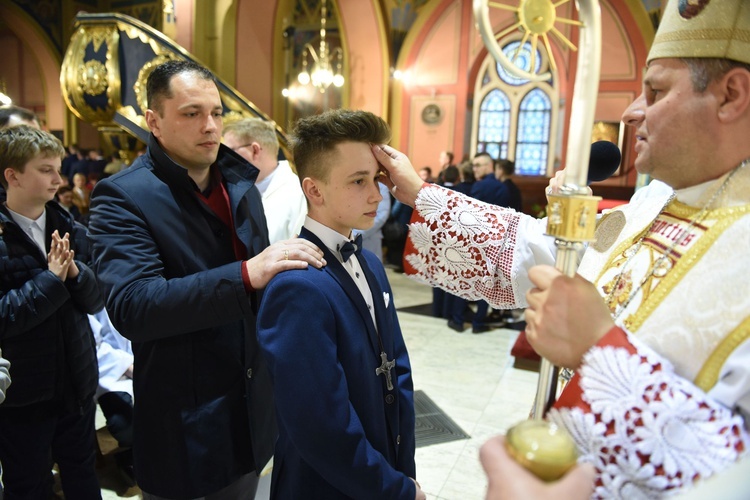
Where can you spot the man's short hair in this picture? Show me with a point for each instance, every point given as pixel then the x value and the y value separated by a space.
pixel 158 86
pixel 704 71
pixel 507 166
pixel 449 154
pixel 21 144
pixel 316 136
pixel 255 130
pixel 484 154
pixel 451 174
pixel 9 111
pixel 64 189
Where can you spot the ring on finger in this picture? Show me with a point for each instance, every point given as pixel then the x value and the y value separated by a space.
pixel 286 254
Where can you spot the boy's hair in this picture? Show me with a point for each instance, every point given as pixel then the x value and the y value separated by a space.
pixel 9 111
pixel 21 144
pixel 255 130
pixel 316 136
pixel 64 189
pixel 467 172
pixel 158 83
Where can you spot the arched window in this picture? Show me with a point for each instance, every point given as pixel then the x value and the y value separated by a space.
pixel 494 124
pixel 516 118
pixel 532 140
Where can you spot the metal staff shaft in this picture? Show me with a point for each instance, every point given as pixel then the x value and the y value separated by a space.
pixel 572 213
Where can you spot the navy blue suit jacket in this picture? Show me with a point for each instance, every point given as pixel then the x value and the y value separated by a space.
pixel 342 433
pixel 166 264
pixel 490 190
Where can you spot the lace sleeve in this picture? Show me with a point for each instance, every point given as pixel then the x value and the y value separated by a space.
pixel 647 430
pixel 474 249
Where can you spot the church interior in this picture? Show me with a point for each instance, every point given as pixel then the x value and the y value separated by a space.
pixel 422 65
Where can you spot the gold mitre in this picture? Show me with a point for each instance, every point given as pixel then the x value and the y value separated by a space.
pixel 704 28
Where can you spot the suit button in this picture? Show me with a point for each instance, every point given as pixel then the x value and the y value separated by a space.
pixel 249 373
pixel 389 399
pixel 398 439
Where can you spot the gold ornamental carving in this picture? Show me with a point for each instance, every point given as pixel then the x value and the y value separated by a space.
pixel 140 85
pixel 572 217
pixel 93 77
pixel 91 83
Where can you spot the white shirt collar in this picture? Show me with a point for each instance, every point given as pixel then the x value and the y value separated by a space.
pixel 330 238
pixel 35 228
pixel 333 240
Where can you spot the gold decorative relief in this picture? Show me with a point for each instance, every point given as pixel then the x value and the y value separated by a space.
pixel 93 77
pixel 91 83
pixel 140 85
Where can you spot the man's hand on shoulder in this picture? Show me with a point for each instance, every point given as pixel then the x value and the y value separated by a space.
pixel 296 253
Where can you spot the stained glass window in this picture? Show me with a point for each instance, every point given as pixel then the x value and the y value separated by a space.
pixel 532 140
pixel 494 124
pixel 516 117
pixel 522 59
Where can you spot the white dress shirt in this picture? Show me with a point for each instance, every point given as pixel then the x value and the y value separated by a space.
pixel 335 240
pixel 34 228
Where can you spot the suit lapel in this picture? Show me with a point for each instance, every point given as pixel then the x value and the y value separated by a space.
pixel 337 271
pixel 378 300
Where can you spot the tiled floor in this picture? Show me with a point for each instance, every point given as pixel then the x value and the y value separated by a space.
pixel 470 377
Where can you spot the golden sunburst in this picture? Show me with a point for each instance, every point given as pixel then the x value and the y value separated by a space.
pixel 536 18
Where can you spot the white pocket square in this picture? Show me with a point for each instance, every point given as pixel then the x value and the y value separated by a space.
pixel 387 299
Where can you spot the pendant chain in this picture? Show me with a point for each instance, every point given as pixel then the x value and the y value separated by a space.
pixel 663 258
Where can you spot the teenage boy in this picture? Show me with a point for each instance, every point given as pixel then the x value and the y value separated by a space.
pixel 341 372
pixel 45 294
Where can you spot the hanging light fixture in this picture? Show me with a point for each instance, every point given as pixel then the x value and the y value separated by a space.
pixel 5 100
pixel 326 67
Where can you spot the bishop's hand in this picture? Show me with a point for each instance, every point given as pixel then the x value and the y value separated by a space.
pixel 400 176
pixel 566 316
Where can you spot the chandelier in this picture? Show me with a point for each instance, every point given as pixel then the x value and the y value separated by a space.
pixel 326 68
pixel 5 100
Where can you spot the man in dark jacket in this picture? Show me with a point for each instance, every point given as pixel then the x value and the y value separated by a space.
pixel 490 190
pixel 46 291
pixel 181 251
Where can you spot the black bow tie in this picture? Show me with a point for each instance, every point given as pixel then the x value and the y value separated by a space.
pixel 351 247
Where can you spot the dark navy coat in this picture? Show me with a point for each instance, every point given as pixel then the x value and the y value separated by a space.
pixel 490 190
pixel 44 327
pixel 203 403
pixel 343 434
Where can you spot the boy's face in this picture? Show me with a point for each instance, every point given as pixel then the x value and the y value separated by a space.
pixel 66 198
pixel 38 182
pixel 349 199
pixel 79 180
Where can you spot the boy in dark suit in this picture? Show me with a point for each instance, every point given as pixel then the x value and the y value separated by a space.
pixel 46 292
pixel 341 372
